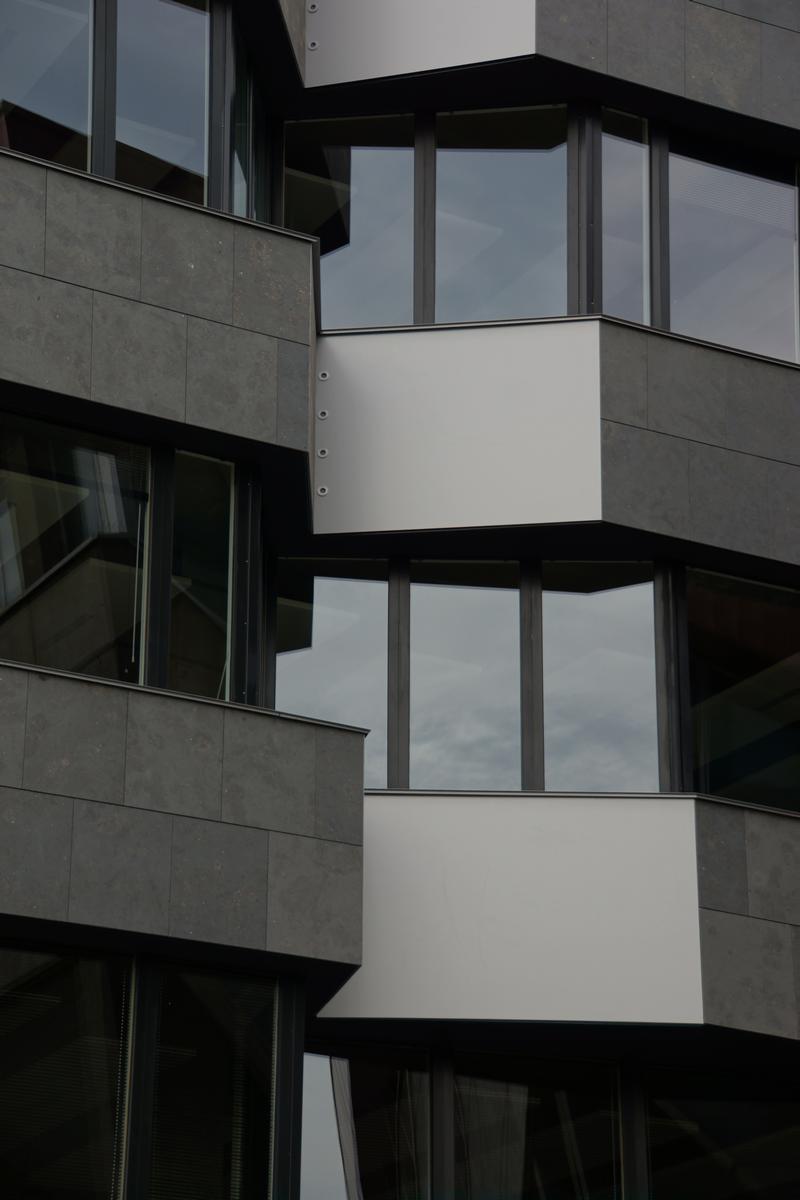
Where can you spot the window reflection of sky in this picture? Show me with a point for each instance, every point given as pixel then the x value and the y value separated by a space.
pixel 625 228
pixel 45 53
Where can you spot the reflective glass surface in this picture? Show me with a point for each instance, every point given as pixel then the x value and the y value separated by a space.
pixel 733 256
pixel 744 657
pixel 162 96
pixel 73 519
pixel 626 217
pixel 600 726
pixel 200 615
pixel 45 78
pixel 501 214
pixel 351 183
pixel 333 648
pixel 465 715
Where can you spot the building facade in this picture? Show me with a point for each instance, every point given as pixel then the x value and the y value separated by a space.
pixel 399 600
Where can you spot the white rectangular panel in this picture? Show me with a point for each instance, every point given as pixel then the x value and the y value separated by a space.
pixel 370 39
pixel 458 428
pixel 528 908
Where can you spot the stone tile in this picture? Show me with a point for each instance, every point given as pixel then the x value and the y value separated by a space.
pixel 45 333
pixel 623 374
pixel 721 857
pixel 729 497
pixel 120 868
pixel 294 395
pixel 340 786
pixel 645 479
pixel 219 883
pixel 723 59
pixel 780 86
pixel 748 974
pixel 232 380
pixel 314 906
pixel 687 396
pixel 784 503
pixel 268 772
pixel 777 12
pixel 272 284
pixel 75 742
pixel 174 755
pixel 646 42
pixel 13 707
pixel 94 234
pixel 35 835
pixel 773 866
pixel 187 260
pixel 573 31
pixel 763 400
pixel 139 357
pixel 22 203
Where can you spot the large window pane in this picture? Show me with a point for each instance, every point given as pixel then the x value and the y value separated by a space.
pixel 351 184
pixel 162 96
pixel 200 615
pixel 332 648
pixel 45 76
pixel 527 1130
pixel 626 217
pixel 73 518
pixel 501 214
pixel 599 678
pixel 213 1091
pixel 62 1072
pixel 744 648
pixel 465 717
pixel 733 256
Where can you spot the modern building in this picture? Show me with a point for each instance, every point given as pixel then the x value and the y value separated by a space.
pixel 429 370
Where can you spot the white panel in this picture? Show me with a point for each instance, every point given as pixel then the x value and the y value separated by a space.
pixel 458 428
pixel 369 39
pixel 525 908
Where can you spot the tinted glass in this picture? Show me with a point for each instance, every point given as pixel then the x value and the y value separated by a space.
pixel 73 518
pixel 213 1088
pixel 351 184
pixel 332 648
pixel 626 217
pixel 527 1130
pixel 465 716
pixel 200 617
pixel 501 214
pixel 45 78
pixel 162 96
pixel 744 648
pixel 733 255
pixel 600 726
pixel 62 1073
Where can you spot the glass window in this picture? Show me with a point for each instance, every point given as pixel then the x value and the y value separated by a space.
pixel 626 217
pixel 501 214
pixel 73 519
pixel 600 729
pixel 465 695
pixel 351 184
pixel 528 1130
pixel 333 648
pixel 733 256
pixel 162 96
pixel 62 1075
pixel 45 77
pixel 202 545
pixel 744 657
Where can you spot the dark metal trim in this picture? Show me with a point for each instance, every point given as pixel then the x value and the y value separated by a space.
pixel 288 1114
pixel 659 230
pixel 399 674
pixel 671 774
pixel 593 209
pixel 425 219
pixel 221 87
pixel 443 1128
pixel 531 676
pixel 104 90
pixel 145 997
pixel 269 641
pixel 159 573
pixel 684 732
pixel 574 272
pixel 247 575
pixel 584 209
pixel 633 1135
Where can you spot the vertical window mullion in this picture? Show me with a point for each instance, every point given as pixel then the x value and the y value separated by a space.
pixel 399 674
pixel 668 680
pixel 159 572
pixel 584 210
pixel 220 100
pixel 287 1117
pixel 659 230
pixel 248 624
pixel 145 985
pixel 269 641
pixel 443 1128
pixel 425 219
pixel 531 668
pixel 633 1135
pixel 104 89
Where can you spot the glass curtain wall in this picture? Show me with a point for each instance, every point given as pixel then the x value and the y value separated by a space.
pixel 626 217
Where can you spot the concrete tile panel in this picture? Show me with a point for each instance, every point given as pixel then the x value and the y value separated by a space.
pixel 780 88
pixel 645 479
pixel 721 857
pixel 776 12
pixel 22 203
pixel 45 333
pixel 340 786
pixel 773 867
pixel 763 401
pixel 120 868
pixel 314 898
pixel 268 772
pixel 13 707
pixel 94 234
pixel 729 497
pixel 219 883
pixel 174 755
pixel 75 743
pixel 187 260
pixel 686 390
pixel 139 357
pixel 646 42
pixel 232 380
pixel 784 502
pixel 294 395
pixel 573 31
pixel 723 59
pixel 35 833
pixel 748 974
pixel 272 284
pixel 623 374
